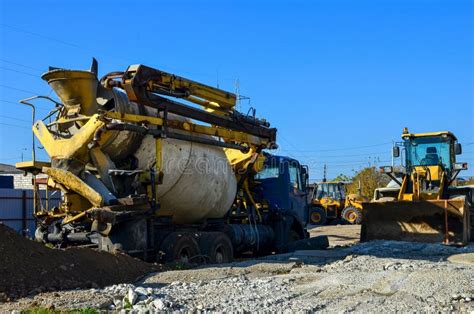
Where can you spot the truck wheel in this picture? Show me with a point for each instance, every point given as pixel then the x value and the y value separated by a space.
pixel 180 247
pixel 352 215
pixel 317 216
pixel 217 246
pixel 293 236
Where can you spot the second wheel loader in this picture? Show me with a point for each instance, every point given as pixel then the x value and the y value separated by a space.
pixel 427 207
pixel 331 202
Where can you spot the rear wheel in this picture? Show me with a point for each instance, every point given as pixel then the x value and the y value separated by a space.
pixel 352 215
pixel 180 247
pixel 317 216
pixel 217 246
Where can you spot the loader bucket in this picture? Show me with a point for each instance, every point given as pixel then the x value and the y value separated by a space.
pixel 444 221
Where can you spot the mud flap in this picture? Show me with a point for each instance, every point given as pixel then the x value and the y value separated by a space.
pixel 444 221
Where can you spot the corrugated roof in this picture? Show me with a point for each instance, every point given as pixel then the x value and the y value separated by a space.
pixel 5 168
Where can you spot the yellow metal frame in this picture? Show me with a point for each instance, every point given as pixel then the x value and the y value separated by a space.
pixel 427 134
pixel 67 148
pixel 204 95
pixel 228 135
pixel 75 184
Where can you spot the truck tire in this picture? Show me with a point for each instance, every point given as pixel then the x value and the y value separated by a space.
pixel 352 215
pixel 217 247
pixel 180 247
pixel 317 216
pixel 293 236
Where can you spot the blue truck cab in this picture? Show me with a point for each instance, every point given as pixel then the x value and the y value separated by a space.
pixel 283 184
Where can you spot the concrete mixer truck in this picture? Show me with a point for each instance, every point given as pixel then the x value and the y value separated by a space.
pixel 162 168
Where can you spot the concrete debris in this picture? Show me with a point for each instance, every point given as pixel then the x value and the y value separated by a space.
pixel 384 275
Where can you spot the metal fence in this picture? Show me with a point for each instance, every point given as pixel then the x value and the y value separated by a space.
pixel 16 208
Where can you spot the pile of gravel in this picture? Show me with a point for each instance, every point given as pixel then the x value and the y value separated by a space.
pixel 28 267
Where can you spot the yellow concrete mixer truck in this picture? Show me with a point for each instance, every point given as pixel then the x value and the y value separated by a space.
pixel 163 168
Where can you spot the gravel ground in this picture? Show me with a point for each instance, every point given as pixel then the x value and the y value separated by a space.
pixel 381 276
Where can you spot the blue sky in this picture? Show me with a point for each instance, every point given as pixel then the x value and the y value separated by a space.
pixel 339 79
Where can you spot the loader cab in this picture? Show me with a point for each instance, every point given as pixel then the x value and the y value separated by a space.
pixel 430 163
pixel 333 190
pixel 430 150
pixel 283 183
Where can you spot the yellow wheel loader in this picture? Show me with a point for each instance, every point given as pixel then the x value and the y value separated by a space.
pixel 330 203
pixel 427 206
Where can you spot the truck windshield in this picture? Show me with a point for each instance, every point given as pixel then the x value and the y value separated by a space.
pixel 268 173
pixel 428 151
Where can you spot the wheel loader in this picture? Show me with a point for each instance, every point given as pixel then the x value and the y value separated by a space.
pixel 426 207
pixel 331 202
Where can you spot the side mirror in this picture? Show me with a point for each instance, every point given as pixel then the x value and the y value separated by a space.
pixel 305 175
pixel 396 151
pixel 458 149
pixel 460 166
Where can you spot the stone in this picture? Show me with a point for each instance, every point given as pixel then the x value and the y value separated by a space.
pixel 158 304
pixel 141 291
pixel 132 296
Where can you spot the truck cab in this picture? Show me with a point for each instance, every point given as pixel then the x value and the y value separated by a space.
pixel 282 184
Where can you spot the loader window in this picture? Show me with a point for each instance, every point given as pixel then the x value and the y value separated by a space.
pixel 428 151
pixel 328 190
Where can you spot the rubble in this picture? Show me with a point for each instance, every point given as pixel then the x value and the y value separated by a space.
pixel 385 275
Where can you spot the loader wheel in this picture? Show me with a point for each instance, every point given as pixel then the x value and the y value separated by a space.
pixel 352 215
pixel 217 246
pixel 180 247
pixel 317 216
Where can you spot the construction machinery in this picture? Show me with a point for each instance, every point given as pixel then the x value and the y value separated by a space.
pixel 331 202
pixel 426 207
pixel 160 166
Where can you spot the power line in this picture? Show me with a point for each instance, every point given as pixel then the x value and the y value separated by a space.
pixel 344 155
pixel 341 149
pixel 39 35
pixel 14 125
pixel 73 45
pixel 19 89
pixel 22 65
pixel 12 118
pixel 17 103
pixel 10 158
pixel 21 72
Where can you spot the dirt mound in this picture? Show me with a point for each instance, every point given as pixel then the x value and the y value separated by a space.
pixel 28 267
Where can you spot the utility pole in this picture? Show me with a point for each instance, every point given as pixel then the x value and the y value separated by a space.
pixel 237 94
pixel 22 150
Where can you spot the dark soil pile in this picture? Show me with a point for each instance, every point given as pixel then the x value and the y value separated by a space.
pixel 28 267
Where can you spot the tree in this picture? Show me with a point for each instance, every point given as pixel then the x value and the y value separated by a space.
pixel 370 179
pixel 467 181
pixel 342 178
